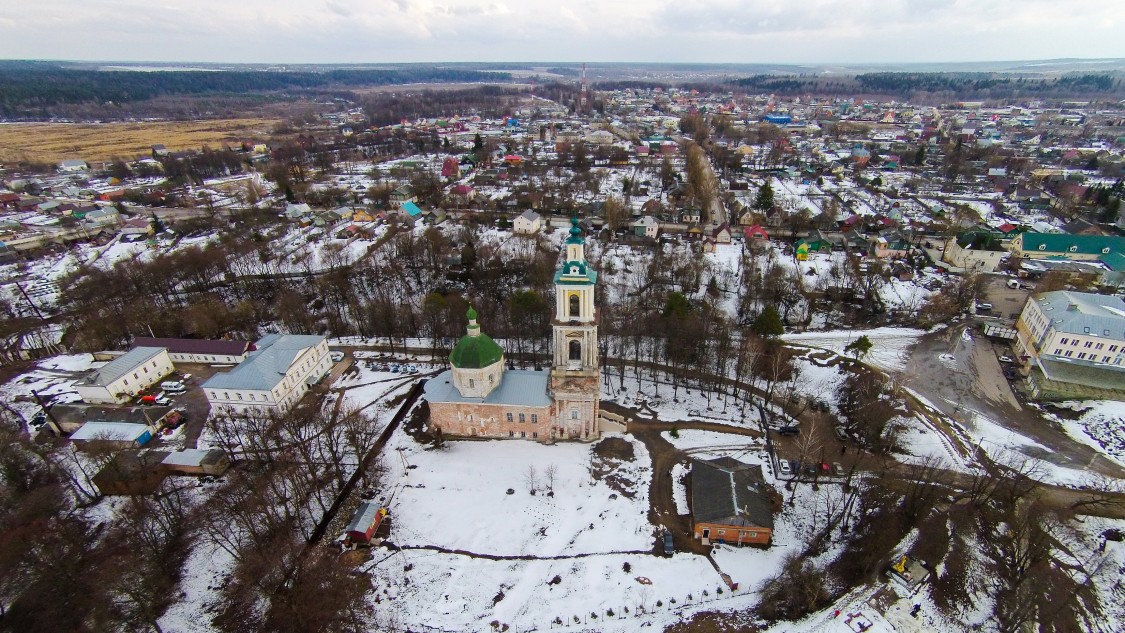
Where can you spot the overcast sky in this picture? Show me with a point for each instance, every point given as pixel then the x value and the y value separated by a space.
pixel 752 31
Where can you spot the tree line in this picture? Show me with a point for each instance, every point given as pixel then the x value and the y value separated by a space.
pixel 29 87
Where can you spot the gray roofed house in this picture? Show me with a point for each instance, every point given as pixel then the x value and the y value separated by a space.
pixel 119 366
pixel 730 502
pixel 125 376
pixel 274 376
pixel 266 366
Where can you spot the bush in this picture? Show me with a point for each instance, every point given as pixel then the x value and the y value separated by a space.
pixel 626 567
pixel 675 433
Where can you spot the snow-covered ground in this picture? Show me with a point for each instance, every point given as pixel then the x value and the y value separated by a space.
pixel 1101 426
pixel 53 379
pixel 890 350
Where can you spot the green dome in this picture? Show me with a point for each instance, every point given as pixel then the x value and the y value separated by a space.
pixel 475 352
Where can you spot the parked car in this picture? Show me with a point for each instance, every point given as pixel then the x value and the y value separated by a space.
pixel 162 400
pixel 1014 284
pixel 336 356
pixel 841 433
pixel 693 412
pixel 1006 359
pixel 984 307
pixel 669 543
pixel 784 468
pixel 789 430
pixel 172 386
pixel 837 469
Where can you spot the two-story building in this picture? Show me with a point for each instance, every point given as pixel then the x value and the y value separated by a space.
pixel 204 351
pixel 1074 344
pixel 126 376
pixel 273 377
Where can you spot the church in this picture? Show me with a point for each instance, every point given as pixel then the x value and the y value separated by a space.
pixel 478 397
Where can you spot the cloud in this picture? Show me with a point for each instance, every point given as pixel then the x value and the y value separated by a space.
pixel 801 31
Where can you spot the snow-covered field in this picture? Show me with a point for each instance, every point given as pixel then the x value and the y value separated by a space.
pixel 891 344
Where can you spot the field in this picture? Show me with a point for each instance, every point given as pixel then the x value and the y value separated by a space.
pixel 52 142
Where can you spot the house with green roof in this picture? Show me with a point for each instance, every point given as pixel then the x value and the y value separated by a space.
pixel 1064 246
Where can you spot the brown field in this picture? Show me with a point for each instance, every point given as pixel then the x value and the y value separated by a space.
pixel 52 142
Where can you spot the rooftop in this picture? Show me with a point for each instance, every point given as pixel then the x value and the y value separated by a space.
pixel 1084 313
pixel 266 366
pixel 518 387
pixel 119 366
pixel 194 346
pixel 114 431
pixel 727 491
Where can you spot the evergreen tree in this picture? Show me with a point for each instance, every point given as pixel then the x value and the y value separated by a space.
pixel 859 347
pixel 764 201
pixel 768 323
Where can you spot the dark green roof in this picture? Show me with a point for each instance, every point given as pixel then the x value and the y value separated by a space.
pixel 575 232
pixel 475 352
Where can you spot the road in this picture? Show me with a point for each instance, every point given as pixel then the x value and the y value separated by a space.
pixel 969 380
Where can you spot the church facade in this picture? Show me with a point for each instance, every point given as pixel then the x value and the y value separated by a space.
pixel 478 397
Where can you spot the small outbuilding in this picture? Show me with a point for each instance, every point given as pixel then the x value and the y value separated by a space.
pixel 365 522
pixel 730 502
pixel 193 461
pixel 112 435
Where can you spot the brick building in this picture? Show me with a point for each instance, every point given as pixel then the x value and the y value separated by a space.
pixel 479 397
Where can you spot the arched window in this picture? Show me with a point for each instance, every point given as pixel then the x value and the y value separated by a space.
pixel 574 305
pixel 575 350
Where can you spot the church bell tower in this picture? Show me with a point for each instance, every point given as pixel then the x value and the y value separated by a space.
pixel 574 367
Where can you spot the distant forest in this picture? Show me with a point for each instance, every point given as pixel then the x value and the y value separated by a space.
pixel 921 86
pixel 28 87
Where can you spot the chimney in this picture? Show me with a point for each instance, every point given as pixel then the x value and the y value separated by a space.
pixel 1072 307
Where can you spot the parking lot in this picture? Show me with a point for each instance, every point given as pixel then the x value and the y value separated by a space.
pixel 1007 303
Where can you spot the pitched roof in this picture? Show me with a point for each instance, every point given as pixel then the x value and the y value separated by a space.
pixel 1062 243
pixel 530 215
pixel 116 431
pixel 195 346
pixel 727 491
pixel 412 209
pixel 119 366
pixel 266 366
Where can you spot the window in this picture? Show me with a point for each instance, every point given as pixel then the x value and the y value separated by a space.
pixel 575 350
pixel 1069 353
pixel 534 434
pixel 523 418
pixel 1062 342
pixel 1113 348
pixel 1105 251
pixel 721 532
pixel 1058 351
pixel 126 381
pixel 1082 355
pixel 574 414
pixel 511 433
pixel 535 418
pixel 1073 342
pixel 146 370
pixel 509 417
pixel 1099 346
pixel 1042 247
pixel 1089 343
pixel 522 434
pixel 471 383
pixel 239 395
pixel 1073 249
pixel 753 535
pixel 574 307
pixel 1105 359
pixel 1086 330
pixel 226 395
pixel 491 379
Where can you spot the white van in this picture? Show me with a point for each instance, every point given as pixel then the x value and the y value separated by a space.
pixel 173 386
pixel 1014 284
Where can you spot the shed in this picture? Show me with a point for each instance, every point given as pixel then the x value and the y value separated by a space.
pixel 131 472
pixel 113 434
pixel 365 522
pixel 193 461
